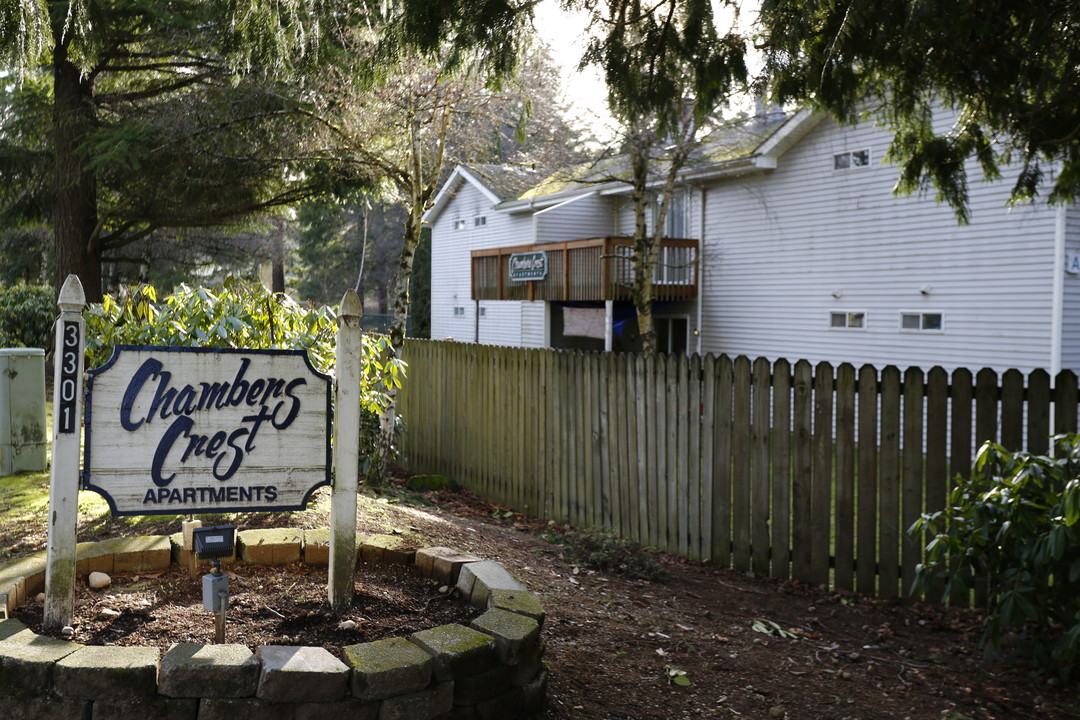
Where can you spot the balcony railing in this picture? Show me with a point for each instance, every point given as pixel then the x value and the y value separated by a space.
pixel 593 269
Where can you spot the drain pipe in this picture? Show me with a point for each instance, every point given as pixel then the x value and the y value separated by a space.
pixel 1058 303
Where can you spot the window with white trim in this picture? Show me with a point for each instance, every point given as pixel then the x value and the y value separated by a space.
pixel 459 311
pixel 851 159
pixel 479 220
pixel 459 224
pixel 847 320
pixel 933 322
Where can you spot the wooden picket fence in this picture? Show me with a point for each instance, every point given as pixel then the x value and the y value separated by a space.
pixel 789 470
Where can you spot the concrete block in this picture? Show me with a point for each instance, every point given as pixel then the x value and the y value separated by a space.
pixel 521 602
pixel 157 708
pixel 18 707
pixel 426 704
pixel 351 709
pixel 515 635
pixel 114 672
pixel 244 709
pixel 10 627
pixel 479 579
pixel 192 670
pixel 389 549
pixel 389 667
pixel 442 563
pixel 456 650
pixel 27 661
pixel 300 674
pixel 317 546
pixel 477 688
pixel 276 546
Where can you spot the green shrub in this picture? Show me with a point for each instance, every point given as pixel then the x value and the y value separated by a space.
pixel 1015 525
pixel 238 315
pixel 26 316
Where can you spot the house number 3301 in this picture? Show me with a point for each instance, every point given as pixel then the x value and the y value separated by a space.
pixel 69 376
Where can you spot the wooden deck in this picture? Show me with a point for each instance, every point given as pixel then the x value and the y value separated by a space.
pixel 593 269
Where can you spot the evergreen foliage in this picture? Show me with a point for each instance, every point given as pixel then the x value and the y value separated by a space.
pixel 1014 528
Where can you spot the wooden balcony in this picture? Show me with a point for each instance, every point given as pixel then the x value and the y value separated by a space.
pixel 594 269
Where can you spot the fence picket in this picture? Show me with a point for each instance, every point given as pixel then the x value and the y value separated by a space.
pixel 844 571
pixel 760 466
pixel 781 469
pixel 866 500
pixel 708 452
pixel 694 422
pixel 740 476
pixel 1012 410
pixel 722 460
pixel 801 471
pixel 889 486
pixel 912 483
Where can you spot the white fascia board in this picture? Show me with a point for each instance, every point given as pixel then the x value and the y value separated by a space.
pixel 547 202
pixel 449 189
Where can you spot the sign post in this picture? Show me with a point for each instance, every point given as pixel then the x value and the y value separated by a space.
pixel 346 454
pixel 64 474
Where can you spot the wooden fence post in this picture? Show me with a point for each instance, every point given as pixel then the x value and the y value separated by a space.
pixel 64 474
pixel 346 454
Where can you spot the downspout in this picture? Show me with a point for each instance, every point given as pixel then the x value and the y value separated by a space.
pixel 700 276
pixel 1057 318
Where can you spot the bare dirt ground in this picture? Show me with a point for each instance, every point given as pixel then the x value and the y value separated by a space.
pixel 703 642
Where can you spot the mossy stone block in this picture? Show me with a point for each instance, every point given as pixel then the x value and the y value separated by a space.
pixel 245 709
pixel 274 546
pixel 42 707
pixel 113 672
pixel 300 674
pixel 473 689
pixel 479 579
pixel 351 709
pixel 515 635
pixel 442 563
pixel 27 660
pixel 209 671
pixel 521 602
pixel 158 708
pixel 10 627
pixel 456 650
pixel 385 668
pixel 389 549
pixel 427 704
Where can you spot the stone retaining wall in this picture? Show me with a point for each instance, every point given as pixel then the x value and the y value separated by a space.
pixel 492 668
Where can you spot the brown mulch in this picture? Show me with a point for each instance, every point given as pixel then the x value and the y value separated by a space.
pixel 618 648
pixel 267 606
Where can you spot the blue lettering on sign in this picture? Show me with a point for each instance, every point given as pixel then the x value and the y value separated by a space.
pixel 273 401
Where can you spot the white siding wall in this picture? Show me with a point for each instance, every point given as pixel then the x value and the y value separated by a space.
pixel 500 323
pixel 586 217
pixel 778 245
pixel 1070 346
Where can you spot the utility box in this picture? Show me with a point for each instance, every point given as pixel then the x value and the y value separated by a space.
pixel 23 431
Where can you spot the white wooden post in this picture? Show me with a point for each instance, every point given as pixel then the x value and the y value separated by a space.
pixel 64 473
pixel 346 454
pixel 609 321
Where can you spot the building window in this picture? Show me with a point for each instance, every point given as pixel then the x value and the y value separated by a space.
pixel 459 311
pixel 847 320
pixel 459 224
pixel 852 159
pixel 483 312
pixel 675 221
pixel 922 322
pixel 672 334
pixel 480 220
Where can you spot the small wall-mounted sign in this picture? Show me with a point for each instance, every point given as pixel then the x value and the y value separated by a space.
pixel 173 430
pixel 1072 263
pixel 528 266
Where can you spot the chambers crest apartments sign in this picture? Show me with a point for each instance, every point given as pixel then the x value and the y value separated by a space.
pixel 182 430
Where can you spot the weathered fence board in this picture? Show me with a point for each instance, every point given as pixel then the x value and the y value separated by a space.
pixel 810 472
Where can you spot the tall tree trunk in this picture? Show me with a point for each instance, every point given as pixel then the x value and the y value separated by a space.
pixel 645 242
pixel 75 219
